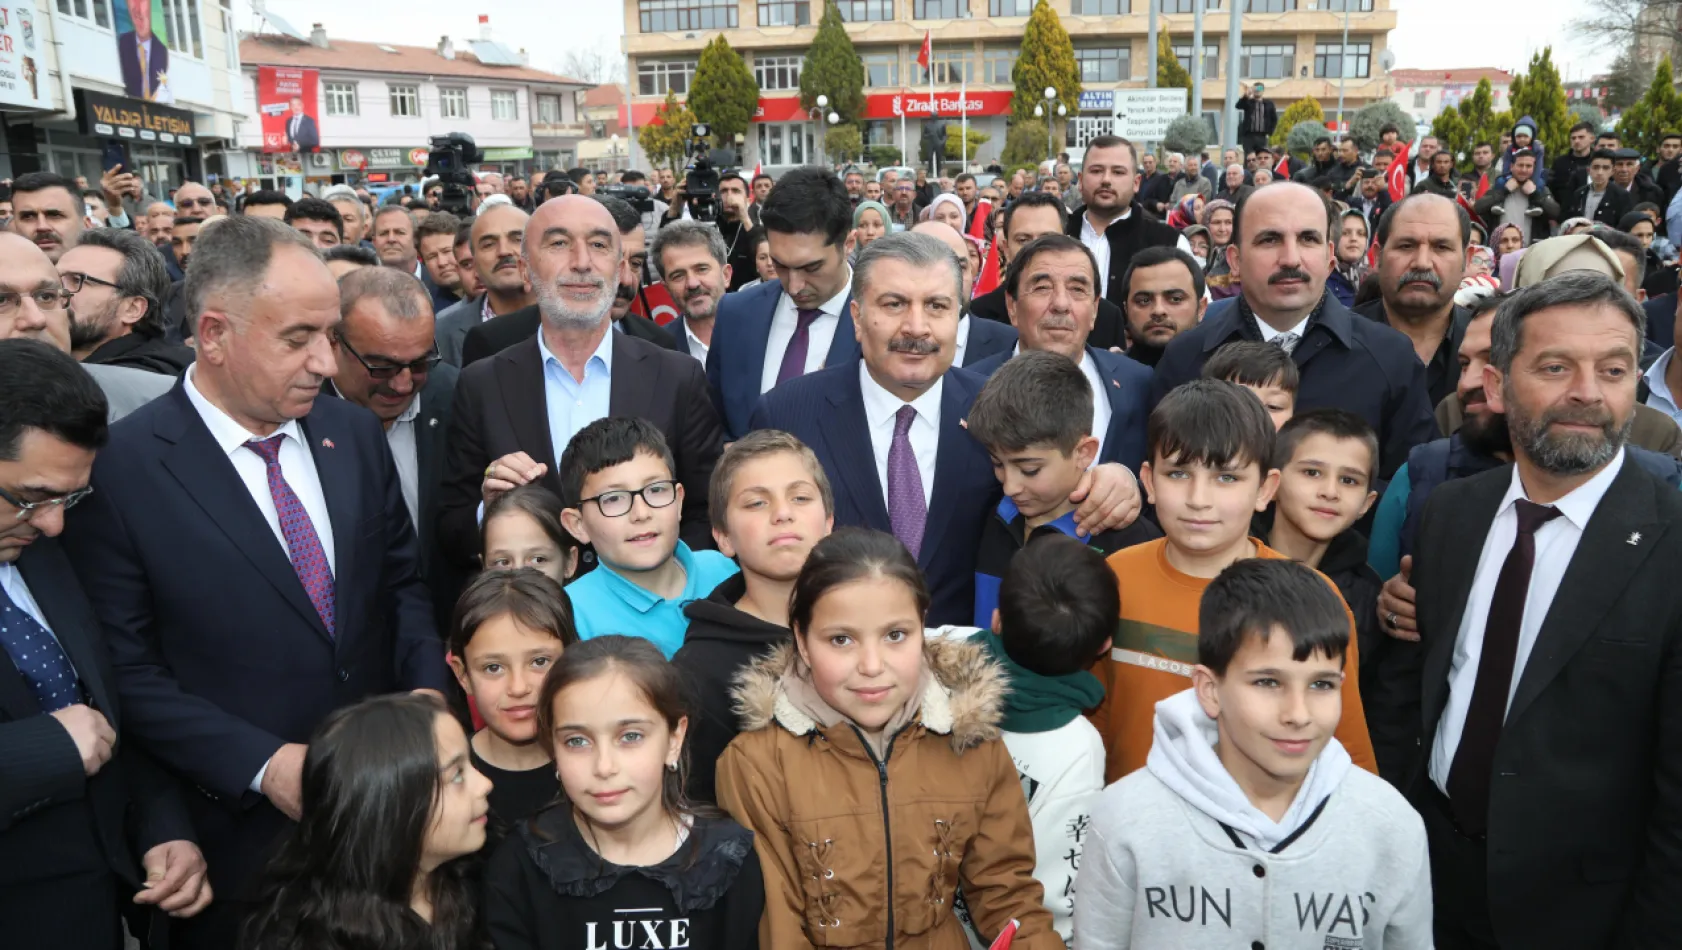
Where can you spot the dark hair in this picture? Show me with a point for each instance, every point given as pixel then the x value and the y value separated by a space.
pixel 344 874
pixel 809 200
pixel 1320 140
pixel 1156 256
pixel 464 233
pixel 1114 141
pixel 194 219
pixel 1058 603
pixel 1581 127
pixel 733 176
pixel 526 594
pixel 268 196
pixel 756 445
pixel 1210 422
pixel 1047 244
pixel 579 174
pixel 1255 596
pixel 625 217
pixel 1622 240
pixel 1605 153
pixel 354 253
pixel 142 275
pixel 31 182
pixel 1244 200
pixel 1383 233
pixel 309 208
pixel 1035 398
pixel 436 223
pixel 632 176
pixel 1037 199
pixel 1340 424
pixel 93 193
pixel 848 555
pixel 1253 363
pixel 1667 136
pixel 1388 127
pixel 1603 136
pixel 605 443
pixel 45 389
pixel 966 176
pixel 1631 219
pixel 1488 145
pixel 540 505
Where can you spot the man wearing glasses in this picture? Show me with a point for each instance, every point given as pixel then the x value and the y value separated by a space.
pixel 118 287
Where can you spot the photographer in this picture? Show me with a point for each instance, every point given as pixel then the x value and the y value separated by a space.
pixel 733 223
pixel 650 219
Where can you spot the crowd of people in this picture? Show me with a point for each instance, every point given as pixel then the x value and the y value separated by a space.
pixel 1159 552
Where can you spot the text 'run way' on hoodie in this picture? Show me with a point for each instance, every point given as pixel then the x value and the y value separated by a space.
pixel 1180 859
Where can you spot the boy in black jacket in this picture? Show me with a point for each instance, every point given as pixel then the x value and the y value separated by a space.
pixel 770 504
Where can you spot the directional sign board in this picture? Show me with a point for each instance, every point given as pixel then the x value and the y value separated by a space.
pixel 1142 115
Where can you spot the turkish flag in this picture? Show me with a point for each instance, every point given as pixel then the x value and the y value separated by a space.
pixel 924 54
pixel 1282 171
pixel 978 221
pixel 660 308
pixel 989 280
pixel 1397 177
pixel 1483 186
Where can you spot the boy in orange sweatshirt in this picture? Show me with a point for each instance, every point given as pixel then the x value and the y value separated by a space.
pixel 1207 471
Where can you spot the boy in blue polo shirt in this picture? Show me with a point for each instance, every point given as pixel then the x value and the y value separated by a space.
pixel 622 498
pixel 1034 417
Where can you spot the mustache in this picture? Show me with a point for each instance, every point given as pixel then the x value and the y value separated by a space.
pixel 626 292
pixel 1289 273
pixel 511 260
pixel 1420 277
pixel 913 347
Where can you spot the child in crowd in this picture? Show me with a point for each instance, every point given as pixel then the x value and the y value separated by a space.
pixel 1210 448
pixel 1034 417
pixel 770 502
pixel 1248 822
pixel 509 628
pixel 1262 368
pixel 870 771
pixel 522 528
pixel 622 498
pixel 621 860
pixel 391 805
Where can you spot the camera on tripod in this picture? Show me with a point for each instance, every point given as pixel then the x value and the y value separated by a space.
pixel 450 160
pixel 700 186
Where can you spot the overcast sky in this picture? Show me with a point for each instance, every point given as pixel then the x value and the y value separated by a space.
pixel 1430 34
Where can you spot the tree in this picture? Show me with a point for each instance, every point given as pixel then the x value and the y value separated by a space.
pixel 1300 140
pixel 1627 80
pixel 1369 119
pixel 1169 73
pixel 1461 127
pixel 1024 143
pixel 1621 24
pixel 833 69
pixel 1046 60
pixel 843 143
pixel 1188 135
pixel 724 93
pixel 1540 95
pixel 1300 111
pixel 955 144
pixel 592 65
pixel 666 139
pixel 1657 112
pixel 1582 111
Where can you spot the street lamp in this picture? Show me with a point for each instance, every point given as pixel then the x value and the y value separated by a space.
pixel 1046 112
pixel 816 114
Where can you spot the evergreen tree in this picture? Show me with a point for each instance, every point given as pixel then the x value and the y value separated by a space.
pixel 843 143
pixel 1188 135
pixel 833 69
pixel 1169 73
pixel 1302 110
pixel 666 139
pixel 954 142
pixel 1024 143
pixel 1540 95
pixel 724 93
pixel 1370 119
pixel 1461 127
pixel 1047 59
pixel 1627 80
pixel 1657 112
pixel 1299 141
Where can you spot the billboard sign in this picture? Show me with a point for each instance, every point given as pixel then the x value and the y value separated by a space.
pixel 22 82
pixel 287 104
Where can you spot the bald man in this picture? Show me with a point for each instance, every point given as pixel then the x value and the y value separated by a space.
pixel 977 339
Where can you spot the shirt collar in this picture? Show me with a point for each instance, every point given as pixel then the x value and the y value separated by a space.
pixel 602 356
pixel 1065 523
pixel 835 306
pixel 410 413
pixel 881 405
pixel 230 435
pixel 1578 504
pixel 1655 376
pixel 641 599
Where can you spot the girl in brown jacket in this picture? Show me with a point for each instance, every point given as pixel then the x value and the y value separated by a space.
pixel 871 771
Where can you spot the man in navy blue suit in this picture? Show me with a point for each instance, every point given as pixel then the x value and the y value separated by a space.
pixel 889 429
pixel 977 339
pixel 796 324
pixel 249 555
pixel 1051 292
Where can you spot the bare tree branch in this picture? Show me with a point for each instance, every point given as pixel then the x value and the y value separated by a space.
pixel 592 65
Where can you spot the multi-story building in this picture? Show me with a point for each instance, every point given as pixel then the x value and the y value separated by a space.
pixel 1294 46
pixel 377 106
pixel 608 147
pixel 1425 93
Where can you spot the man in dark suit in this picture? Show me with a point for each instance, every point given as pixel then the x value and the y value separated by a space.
pixel 516 411
pixel 301 132
pixel 143 57
pixel 495 238
pixel 1282 252
pixel 1553 650
pixel 77 807
pixel 692 261
pixel 889 430
pixel 250 558
pixel 1027 219
pixel 1051 289
pixel 796 324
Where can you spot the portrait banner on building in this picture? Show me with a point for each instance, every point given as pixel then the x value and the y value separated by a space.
pixel 22 83
pixel 287 102
pixel 143 51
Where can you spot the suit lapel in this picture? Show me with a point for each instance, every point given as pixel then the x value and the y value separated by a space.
pixel 629 390
pixel 1448 606
pixel 756 330
pixel 844 346
pixel 335 467
pixel 50 583
pixel 519 375
pixel 847 433
pixel 949 461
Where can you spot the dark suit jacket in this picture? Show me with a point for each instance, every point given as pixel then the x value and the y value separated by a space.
pixel 1128 386
pixel 736 360
pixel 307 138
pixel 825 410
pixel 500 408
pixel 1613 205
pixel 1585 804
pixel 492 337
pixel 128 55
pixel 988 339
pixel 1108 329
pixel 220 657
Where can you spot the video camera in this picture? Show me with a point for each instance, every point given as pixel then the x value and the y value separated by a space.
pixel 450 160
pixel 555 184
pixel 700 186
pixel 636 196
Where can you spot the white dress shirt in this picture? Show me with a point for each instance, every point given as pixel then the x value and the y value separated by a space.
pixel 1269 334
pixel 1099 245
pixel 1101 411
pixel 1660 397
pixel 821 334
pixel 1556 544
pixel 406 450
pixel 880 409
pixel 697 348
pixel 964 323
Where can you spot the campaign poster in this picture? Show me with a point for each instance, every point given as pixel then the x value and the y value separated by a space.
pixel 22 77
pixel 143 51
pixel 287 101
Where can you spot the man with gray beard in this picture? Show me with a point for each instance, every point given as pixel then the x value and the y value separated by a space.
pixel 516 411
pixel 1421 260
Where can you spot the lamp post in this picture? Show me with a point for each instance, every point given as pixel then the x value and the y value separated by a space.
pixel 816 114
pixel 1050 122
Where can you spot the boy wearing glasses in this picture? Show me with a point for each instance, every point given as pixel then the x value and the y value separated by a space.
pixel 622 498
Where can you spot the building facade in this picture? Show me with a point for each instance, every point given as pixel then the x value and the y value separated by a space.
pixel 1293 46
pixel 1425 93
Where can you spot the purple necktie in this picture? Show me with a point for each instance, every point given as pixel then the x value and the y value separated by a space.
pixel 309 559
pixel 794 358
pixel 907 511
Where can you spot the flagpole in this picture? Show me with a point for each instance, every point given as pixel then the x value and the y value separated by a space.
pixel 963 123
pixel 928 44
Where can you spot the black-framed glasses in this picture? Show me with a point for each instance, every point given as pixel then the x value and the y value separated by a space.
pixel 384 371
pixel 27 509
pixel 74 282
pixel 195 202
pixel 617 503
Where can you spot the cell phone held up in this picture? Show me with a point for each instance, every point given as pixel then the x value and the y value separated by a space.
pixel 115 154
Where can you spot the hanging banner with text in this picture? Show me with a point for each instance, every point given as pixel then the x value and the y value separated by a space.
pixel 117 117
pixel 1142 115
pixel 286 101
pixel 22 82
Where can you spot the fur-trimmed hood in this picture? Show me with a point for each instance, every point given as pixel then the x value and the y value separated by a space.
pixel 964 698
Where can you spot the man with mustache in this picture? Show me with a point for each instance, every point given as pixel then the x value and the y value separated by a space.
pixel 1282 250
pixel 516 410
pixel 690 258
pixel 977 340
pixel 497 234
pixel 1423 242
pixel 1110 222
pixel 1028 218
pixel 47 209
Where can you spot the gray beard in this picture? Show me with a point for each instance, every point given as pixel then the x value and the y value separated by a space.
pixel 562 317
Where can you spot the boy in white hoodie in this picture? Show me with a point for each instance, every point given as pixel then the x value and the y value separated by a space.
pixel 1248 826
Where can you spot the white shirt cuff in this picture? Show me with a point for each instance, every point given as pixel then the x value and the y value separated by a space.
pixel 257 783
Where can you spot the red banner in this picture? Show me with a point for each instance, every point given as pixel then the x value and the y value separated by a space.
pixel 288 103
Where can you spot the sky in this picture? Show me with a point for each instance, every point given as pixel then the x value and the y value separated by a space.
pixel 1429 34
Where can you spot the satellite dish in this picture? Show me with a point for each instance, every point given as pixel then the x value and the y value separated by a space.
pixel 1387 60
pixel 275 22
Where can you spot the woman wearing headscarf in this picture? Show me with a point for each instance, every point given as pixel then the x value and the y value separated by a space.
pixel 1185 213
pixel 1218 217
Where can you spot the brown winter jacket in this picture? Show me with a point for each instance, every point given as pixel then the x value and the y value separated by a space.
pixel 815 799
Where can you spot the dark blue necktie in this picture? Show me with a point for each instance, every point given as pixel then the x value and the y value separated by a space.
pixel 38 656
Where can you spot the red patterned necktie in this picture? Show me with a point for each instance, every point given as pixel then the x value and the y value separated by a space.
pixel 303 545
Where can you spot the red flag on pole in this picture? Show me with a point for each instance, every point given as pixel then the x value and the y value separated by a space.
pixel 1397 177
pixel 1483 186
pixel 661 309
pixel 989 280
pixel 1282 171
pixel 927 50
pixel 978 221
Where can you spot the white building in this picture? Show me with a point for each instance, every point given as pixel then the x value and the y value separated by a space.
pixel 1425 93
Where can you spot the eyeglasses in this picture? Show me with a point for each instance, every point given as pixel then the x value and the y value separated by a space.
pixel 617 503
pixel 195 202
pixel 55 298
pixel 73 282
pixel 27 509
pixel 384 371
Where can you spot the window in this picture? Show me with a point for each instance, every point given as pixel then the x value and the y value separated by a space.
pixel 505 105
pixel 878 133
pixel 881 70
pixel 1419 99
pixel 1270 6
pixel 341 98
pixel 1010 7
pixel 785 13
pixel 549 110
pixel 1356 59
pixel 95 10
pixel 1267 61
pixel 1101 7
pixel 1103 63
pixel 1211 58
pixel 1185 6
pixel 405 101
pixel 951 66
pixel 181 21
pixel 939 9
pixel 657 77
pixel 665 16
pixel 452 103
pixel 1355 6
pixel 864 11
pixel 996 64
pixel 777 72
